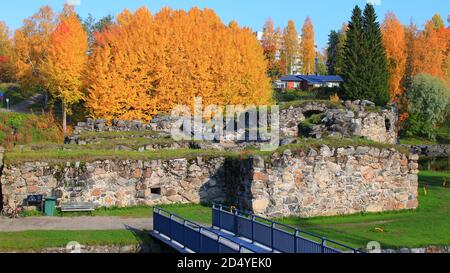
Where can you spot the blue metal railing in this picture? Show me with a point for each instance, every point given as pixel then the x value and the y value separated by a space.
pixel 192 236
pixel 277 236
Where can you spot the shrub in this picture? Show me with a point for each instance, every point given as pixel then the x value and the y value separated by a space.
pixel 334 98
pixel 427 100
pixel 29 128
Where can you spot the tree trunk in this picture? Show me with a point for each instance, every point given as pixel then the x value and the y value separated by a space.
pixel 64 118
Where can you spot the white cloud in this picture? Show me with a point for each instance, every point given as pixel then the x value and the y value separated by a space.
pixel 374 2
pixel 74 2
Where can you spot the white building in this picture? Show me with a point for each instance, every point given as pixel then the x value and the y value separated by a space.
pixel 296 62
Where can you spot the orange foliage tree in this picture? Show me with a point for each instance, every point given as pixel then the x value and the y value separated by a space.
pixel 144 64
pixel 291 48
pixel 66 61
pixel 394 40
pixel 5 53
pixel 307 47
pixel 270 44
pixel 430 49
pixel 30 46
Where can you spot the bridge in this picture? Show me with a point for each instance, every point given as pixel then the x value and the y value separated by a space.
pixel 235 231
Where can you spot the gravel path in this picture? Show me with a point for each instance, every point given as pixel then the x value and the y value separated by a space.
pixel 74 223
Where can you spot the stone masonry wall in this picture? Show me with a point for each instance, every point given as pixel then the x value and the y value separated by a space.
pixel 119 183
pixel 334 182
pixel 357 118
pixel 317 182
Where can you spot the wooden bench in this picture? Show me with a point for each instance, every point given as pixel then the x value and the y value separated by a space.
pixel 77 207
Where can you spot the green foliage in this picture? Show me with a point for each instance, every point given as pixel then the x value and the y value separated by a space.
pixel 365 64
pixel 322 93
pixel 15 121
pixel 335 52
pixel 29 128
pixel 427 106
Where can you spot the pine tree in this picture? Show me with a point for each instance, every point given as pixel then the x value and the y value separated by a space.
pixel 375 63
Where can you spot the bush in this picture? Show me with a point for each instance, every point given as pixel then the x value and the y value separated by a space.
pixel 28 128
pixel 427 100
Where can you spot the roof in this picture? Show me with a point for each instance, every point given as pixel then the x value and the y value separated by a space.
pixel 291 78
pixel 313 79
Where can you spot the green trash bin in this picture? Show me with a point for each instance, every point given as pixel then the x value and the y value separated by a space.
pixel 50 206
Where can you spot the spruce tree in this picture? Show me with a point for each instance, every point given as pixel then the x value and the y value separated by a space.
pixel 354 86
pixel 376 76
pixel 365 72
pixel 335 52
pixel 333 41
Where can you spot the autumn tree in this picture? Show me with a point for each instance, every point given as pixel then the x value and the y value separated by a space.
pixel 394 39
pixel 307 48
pixel 30 48
pixel 144 64
pixel 270 44
pixel 91 25
pixel 429 49
pixel 66 61
pixel 291 47
pixel 5 53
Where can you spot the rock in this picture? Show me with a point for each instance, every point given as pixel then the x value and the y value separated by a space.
pixel 260 205
pixel 404 250
pixel 287 141
pixel 325 151
pixel 418 250
pixel 367 103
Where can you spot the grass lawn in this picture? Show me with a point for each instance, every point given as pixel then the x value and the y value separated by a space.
pixel 35 240
pixel 199 213
pixel 426 226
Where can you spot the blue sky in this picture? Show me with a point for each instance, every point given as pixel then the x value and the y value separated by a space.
pixel 325 14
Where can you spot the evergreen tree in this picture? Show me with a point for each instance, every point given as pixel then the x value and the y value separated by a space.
pixel 335 52
pixel 375 62
pixel 354 86
pixel 365 64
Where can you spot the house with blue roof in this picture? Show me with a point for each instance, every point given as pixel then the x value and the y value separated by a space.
pixel 306 82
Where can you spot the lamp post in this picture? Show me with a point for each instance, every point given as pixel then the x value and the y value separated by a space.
pixel 7 104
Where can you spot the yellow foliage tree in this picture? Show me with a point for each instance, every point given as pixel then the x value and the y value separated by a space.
pixel 5 52
pixel 394 40
pixel 307 47
pixel 291 48
pixel 144 64
pixel 66 61
pixel 30 46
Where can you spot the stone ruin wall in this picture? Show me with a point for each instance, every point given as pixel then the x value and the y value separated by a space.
pixel 357 118
pixel 323 181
